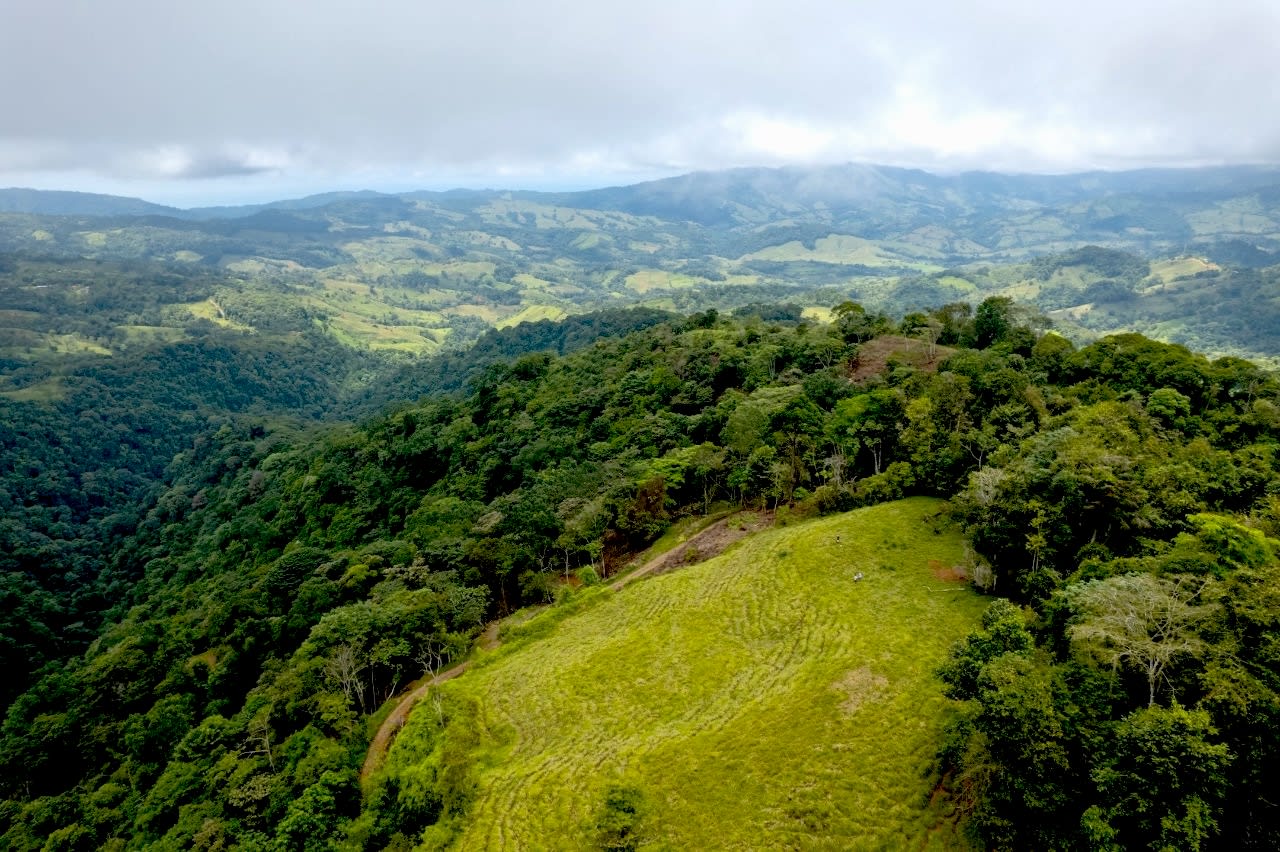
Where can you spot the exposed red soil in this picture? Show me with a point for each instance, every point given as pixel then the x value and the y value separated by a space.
pixel 951 573
pixel 701 546
pixel 874 356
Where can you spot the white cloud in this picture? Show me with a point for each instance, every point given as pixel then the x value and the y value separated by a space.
pixel 262 93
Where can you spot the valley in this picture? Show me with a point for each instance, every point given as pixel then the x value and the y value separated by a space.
pixel 263 469
pixel 417 273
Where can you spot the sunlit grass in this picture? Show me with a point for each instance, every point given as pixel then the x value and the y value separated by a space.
pixel 210 309
pixel 531 282
pixel 658 279
pixel 532 313
pixel 1166 271
pixel 836 248
pixel 760 700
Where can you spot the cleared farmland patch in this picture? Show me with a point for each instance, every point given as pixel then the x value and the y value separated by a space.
pixel 764 699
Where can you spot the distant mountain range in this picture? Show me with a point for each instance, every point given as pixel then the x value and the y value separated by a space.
pixel 43 202
pixel 416 272
pixel 754 195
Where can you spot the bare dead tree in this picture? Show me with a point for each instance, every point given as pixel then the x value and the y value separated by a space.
pixel 433 657
pixel 259 741
pixel 1140 620
pixel 343 669
pixel 836 464
pixel 978 570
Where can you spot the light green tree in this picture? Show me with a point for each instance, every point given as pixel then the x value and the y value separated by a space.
pixel 1140 621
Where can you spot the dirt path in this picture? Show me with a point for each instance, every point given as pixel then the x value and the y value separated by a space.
pixel 393 723
pixel 699 547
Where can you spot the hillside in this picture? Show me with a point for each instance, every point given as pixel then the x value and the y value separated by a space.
pixel 752 701
pixel 420 272
pixel 201 645
pixel 425 272
pixel 88 430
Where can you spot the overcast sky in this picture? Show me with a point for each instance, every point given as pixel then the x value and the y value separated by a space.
pixel 237 100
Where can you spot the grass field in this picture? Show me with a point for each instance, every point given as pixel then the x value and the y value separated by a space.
pixel 1167 271
pixel 656 279
pixel 532 313
pixel 836 248
pixel 50 390
pixel 760 700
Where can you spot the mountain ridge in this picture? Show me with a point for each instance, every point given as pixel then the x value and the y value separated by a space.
pixel 842 183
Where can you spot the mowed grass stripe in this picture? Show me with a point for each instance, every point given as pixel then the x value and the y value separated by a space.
pixel 761 700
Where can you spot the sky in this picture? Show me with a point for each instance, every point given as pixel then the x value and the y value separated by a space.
pixel 252 100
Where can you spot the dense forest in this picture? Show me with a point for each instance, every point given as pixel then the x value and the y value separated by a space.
pixel 280 580
pixel 87 432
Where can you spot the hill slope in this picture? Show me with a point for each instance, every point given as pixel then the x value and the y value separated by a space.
pixel 419 272
pixel 756 700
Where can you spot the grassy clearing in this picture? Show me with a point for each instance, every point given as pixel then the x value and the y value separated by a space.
pixel 591 241
pixel 532 313
pixel 1233 217
pixel 657 279
pixel 40 346
pixel 362 316
pixel 874 356
pixel 485 312
pixel 759 700
pixel 50 390
pixel 1166 271
pixel 46 347
pixel 531 282
pixel 836 248
pixel 210 309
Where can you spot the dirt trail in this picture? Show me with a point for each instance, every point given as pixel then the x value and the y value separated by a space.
pixel 701 546
pixel 393 723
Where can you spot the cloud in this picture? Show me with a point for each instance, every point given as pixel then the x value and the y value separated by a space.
pixel 177 162
pixel 549 90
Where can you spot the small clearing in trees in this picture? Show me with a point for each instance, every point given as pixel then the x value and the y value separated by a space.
pixel 874 356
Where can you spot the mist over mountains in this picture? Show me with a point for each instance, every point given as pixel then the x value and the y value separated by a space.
pixel 753 196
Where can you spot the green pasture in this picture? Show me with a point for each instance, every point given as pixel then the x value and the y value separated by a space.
pixel 763 699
